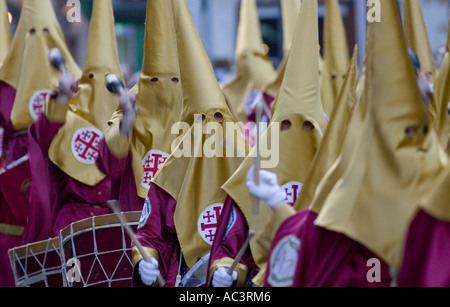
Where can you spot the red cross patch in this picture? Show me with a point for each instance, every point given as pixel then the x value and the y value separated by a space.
pixel 85 145
pixel 208 221
pixel 292 190
pixel 37 103
pixel 151 163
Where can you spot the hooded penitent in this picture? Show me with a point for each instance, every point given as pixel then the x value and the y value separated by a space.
pixel 335 55
pixel 159 97
pixel 75 148
pixel 254 67
pixel 392 157
pixel 193 174
pixel 294 134
pixel 26 67
pixel 333 139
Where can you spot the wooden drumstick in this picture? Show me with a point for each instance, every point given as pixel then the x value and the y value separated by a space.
pixel 241 253
pixel 258 110
pixel 114 205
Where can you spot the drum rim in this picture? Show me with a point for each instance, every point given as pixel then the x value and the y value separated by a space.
pixel 37 248
pixel 97 222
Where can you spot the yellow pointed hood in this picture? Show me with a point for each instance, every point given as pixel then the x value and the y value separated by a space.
pixel 296 130
pixel 417 38
pixel 335 54
pixel 92 106
pixel 334 136
pixel 191 175
pixel 158 94
pixel 26 67
pixel 254 67
pixel 395 154
pixel 5 33
pixel 289 13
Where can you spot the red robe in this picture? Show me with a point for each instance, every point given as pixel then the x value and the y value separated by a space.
pixel 305 255
pixel 156 231
pixel 15 182
pixel 231 234
pixel 56 198
pixel 123 184
pixel 426 255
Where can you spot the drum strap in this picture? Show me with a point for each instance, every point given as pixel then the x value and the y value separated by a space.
pixel 11 230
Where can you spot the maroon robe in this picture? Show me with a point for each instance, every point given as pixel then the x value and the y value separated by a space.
pixel 57 198
pixel 157 231
pixel 324 258
pixel 427 253
pixel 15 182
pixel 123 184
pixel 231 234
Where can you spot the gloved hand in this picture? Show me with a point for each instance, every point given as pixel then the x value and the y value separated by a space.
pixel 66 88
pixel 268 189
pixel 127 103
pixel 149 271
pixel 221 278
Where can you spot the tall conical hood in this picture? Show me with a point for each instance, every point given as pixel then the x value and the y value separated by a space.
pixel 416 36
pixel 334 136
pixel 159 96
pixel 198 167
pixel 293 135
pixel 5 33
pixel 201 91
pixel 93 104
pixel 254 67
pixel 335 53
pixel 289 13
pixel 374 203
pixel 26 67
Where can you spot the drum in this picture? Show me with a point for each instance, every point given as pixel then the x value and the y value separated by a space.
pixel 96 252
pixel 37 264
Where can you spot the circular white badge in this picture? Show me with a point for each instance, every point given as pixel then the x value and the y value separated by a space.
pixel 85 144
pixel 283 262
pixel 151 163
pixel 37 102
pixel 208 221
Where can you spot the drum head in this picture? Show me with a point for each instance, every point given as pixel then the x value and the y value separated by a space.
pixel 96 252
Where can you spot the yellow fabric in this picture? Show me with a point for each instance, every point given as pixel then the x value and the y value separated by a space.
pixel 241 269
pixel 194 182
pixel 136 255
pixel 5 33
pixel 417 38
pixel 254 68
pixel 26 67
pixel 435 199
pixel 440 101
pixel 334 136
pixel 55 112
pixel 335 54
pixel 376 198
pixel 289 13
pixel 158 93
pixel 298 101
pixel 93 104
pixel 11 230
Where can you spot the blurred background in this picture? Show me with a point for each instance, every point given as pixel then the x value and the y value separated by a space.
pixel 217 21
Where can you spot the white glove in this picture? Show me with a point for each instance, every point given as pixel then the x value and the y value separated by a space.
pixel 127 103
pixel 268 189
pixel 221 278
pixel 149 271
